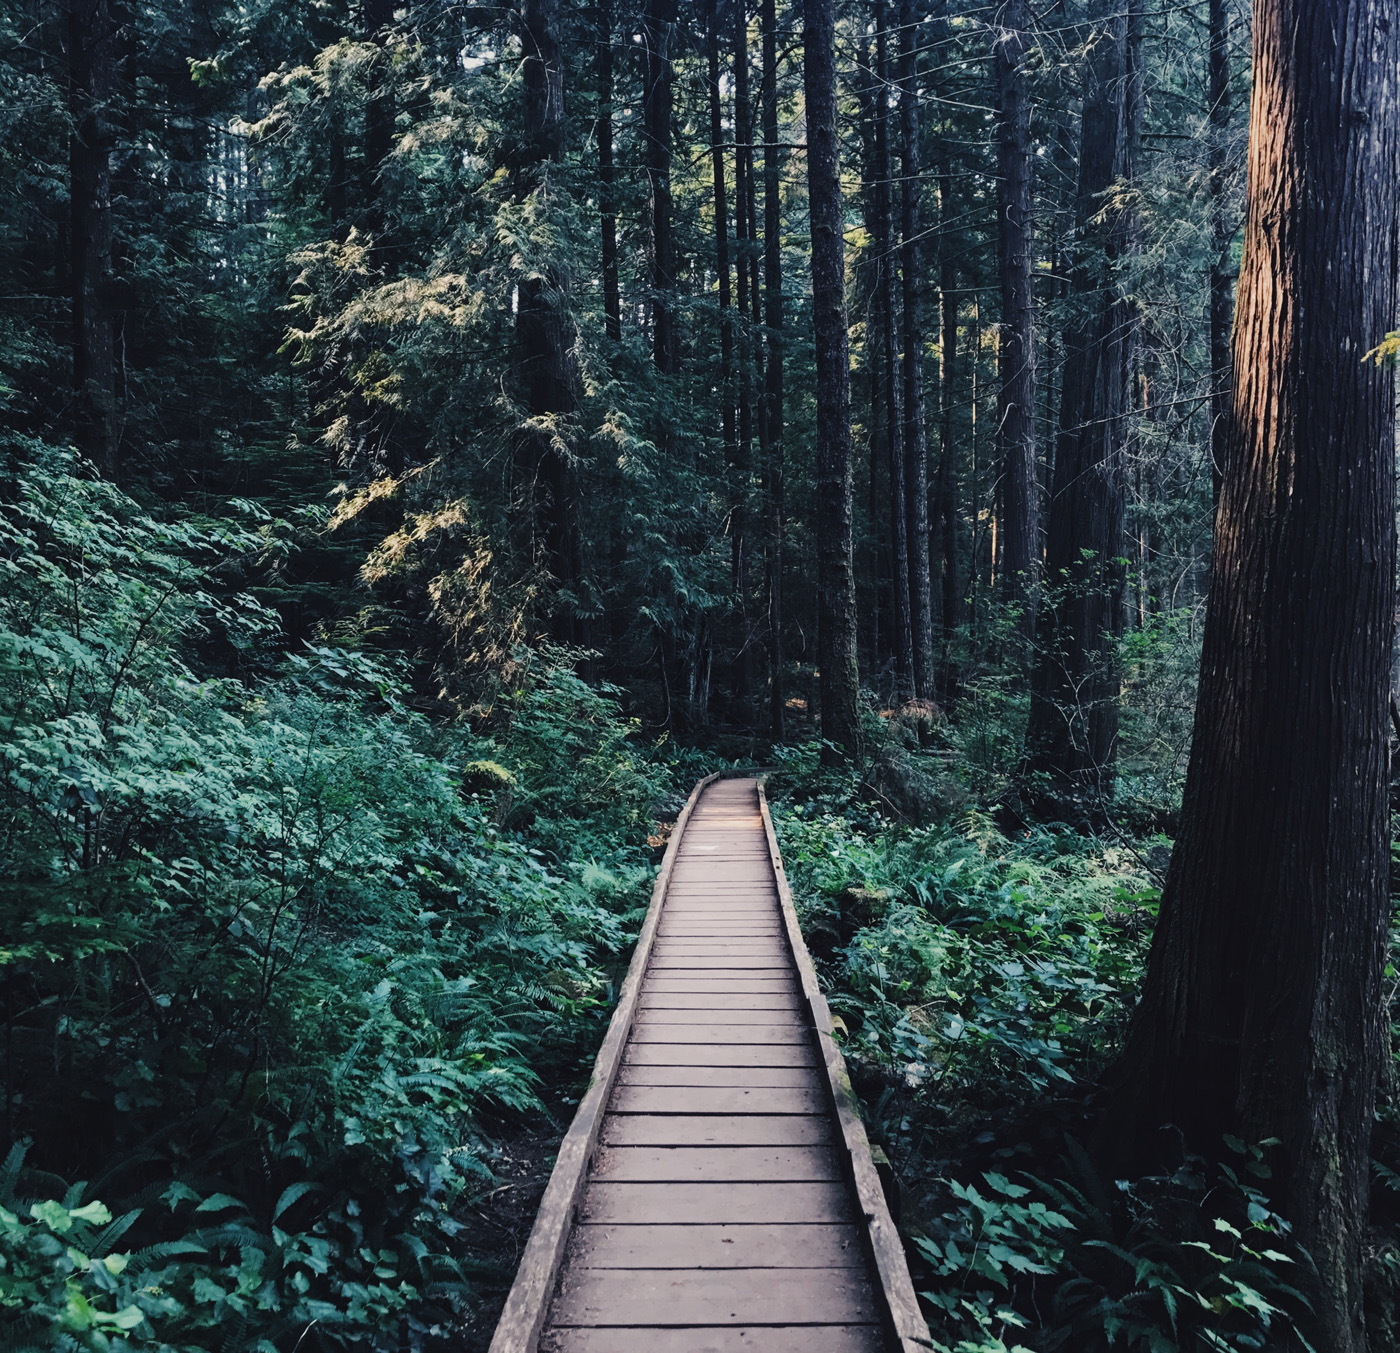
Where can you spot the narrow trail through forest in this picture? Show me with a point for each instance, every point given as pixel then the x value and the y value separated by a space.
pixel 716 1191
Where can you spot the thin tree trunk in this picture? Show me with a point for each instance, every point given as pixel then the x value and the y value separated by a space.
pixel 1262 1012
pixel 915 435
pixel 728 429
pixel 1020 516
pixel 92 72
pixel 773 370
pixel 607 174
pixel 743 233
pixel 868 92
pixel 1072 735
pixel 658 31
pixel 892 420
pixel 836 601
pixel 946 492
pixel 1222 231
pixel 543 327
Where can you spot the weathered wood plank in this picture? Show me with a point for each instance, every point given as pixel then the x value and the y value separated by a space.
pixel 721 1054
pixel 682 981
pixel 714 1099
pixel 696 1339
pixel 757 1245
pixel 719 1000
pixel 722 1035
pixel 717 1129
pixel 710 1014
pixel 715 1164
pixel 614 1297
pixel 771 1077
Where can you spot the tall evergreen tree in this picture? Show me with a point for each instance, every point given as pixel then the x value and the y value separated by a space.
pixel 915 435
pixel 1072 735
pixel 92 88
pixel 1020 516
pixel 545 330
pixel 836 601
pixel 1261 1012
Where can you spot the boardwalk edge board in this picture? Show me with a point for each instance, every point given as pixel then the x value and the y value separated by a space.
pixel 523 1315
pixel 894 1287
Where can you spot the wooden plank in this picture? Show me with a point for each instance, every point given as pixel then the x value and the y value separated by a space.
pixel 714 946
pixel 710 1099
pixel 758 1245
pixel 523 1315
pixel 721 1054
pixel 761 1077
pixel 736 963
pixel 715 1164
pixel 791 1016
pixel 692 983
pixel 693 1204
pixel 709 1339
pixel 900 1307
pixel 723 1035
pixel 772 1296
pixel 718 1000
pixel 717 1130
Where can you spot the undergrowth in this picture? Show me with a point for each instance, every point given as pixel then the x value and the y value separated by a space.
pixel 277 963
pixel 981 979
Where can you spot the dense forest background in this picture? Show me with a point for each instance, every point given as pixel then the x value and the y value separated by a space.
pixel 433 436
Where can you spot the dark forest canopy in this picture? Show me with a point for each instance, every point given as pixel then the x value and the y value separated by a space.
pixel 433 435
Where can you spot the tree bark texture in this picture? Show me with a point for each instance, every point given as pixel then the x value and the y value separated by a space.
pixel 543 327
pixel 915 435
pixel 1223 231
pixel 883 312
pixel 92 73
pixel 1020 516
pixel 607 175
pixel 772 412
pixel 658 32
pixel 1261 1012
pixel 836 601
pixel 1072 735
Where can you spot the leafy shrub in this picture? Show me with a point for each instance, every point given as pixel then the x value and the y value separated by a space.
pixel 290 959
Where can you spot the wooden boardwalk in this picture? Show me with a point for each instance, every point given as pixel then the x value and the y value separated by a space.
pixel 716 1190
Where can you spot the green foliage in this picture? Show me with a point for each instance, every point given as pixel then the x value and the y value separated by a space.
pixel 291 964
pixel 977 976
pixel 984 966
pixel 1194 1261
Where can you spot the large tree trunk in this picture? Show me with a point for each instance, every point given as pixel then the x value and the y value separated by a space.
pixel 773 370
pixel 915 436
pixel 882 312
pixel 1261 1012
pixel 1072 736
pixel 607 175
pixel 1020 517
pixel 836 599
pixel 544 329
pixel 658 32
pixel 1223 232
pixel 92 72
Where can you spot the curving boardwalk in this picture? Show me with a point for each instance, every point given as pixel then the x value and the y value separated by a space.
pixel 716 1191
